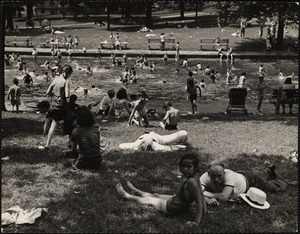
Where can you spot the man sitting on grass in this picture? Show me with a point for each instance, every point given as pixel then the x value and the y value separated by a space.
pixel 171 118
pixel 221 185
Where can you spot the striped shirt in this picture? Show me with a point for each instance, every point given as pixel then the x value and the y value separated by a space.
pixel 88 141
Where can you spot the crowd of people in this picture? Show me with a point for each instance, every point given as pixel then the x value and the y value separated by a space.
pixel 217 184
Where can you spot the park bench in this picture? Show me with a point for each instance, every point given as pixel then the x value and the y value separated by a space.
pixel 156 40
pixel 18 41
pixel 45 42
pixel 211 43
pixel 292 97
pixel 104 44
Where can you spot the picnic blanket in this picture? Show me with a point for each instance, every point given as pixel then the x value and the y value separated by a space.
pixel 154 142
pixel 19 216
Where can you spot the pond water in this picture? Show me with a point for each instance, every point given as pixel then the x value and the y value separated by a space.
pixel 164 83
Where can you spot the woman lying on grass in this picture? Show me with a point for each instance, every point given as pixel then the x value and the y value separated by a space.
pixel 190 191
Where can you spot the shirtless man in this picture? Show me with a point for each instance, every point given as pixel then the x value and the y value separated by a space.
pixel 171 118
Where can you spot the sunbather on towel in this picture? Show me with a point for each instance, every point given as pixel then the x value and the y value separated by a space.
pixel 156 142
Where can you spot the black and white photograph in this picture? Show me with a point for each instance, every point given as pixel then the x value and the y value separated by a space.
pixel 149 116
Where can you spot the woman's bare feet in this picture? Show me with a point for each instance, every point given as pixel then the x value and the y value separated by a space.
pixel 130 185
pixel 121 190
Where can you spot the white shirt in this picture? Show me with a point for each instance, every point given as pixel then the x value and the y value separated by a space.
pixel 231 178
pixel 242 82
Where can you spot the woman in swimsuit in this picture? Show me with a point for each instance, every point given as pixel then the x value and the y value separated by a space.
pixel 189 192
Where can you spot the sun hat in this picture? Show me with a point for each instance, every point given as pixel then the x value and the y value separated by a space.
pixel 256 198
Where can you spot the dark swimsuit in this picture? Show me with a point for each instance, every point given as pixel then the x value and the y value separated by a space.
pixel 178 203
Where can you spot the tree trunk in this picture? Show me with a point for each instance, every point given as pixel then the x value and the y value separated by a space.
pixel 225 17
pixel 148 21
pixel 52 10
pixel 128 10
pixel 181 10
pixel 280 31
pixel 196 17
pixel 9 18
pixel 2 87
pixel 108 17
pixel 29 11
pixel 19 12
pixel 123 10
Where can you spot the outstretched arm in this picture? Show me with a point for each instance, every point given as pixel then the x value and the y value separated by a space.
pixel 8 94
pixel 131 115
pixel 50 88
pixel 111 109
pixel 166 117
pixel 67 89
pixel 198 196
pixel 200 94
pixel 224 196
pixel 126 105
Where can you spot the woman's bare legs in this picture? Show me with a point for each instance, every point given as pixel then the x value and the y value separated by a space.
pixel 159 203
pixel 51 132
pixel 145 194
pixel 46 126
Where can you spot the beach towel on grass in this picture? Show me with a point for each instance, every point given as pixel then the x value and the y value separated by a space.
pixel 19 216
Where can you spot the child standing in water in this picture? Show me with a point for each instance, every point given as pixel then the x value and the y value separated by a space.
pixel 190 191
pixel 192 94
pixel 261 86
pixel 14 94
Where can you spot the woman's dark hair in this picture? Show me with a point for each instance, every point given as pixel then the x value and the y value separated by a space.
pixel 73 98
pixel 133 97
pixel 66 68
pixel 16 81
pixel 84 117
pixel 243 73
pixel 288 80
pixel 121 94
pixel 143 94
pixel 193 157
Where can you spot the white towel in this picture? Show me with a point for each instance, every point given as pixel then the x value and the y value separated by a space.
pixel 19 216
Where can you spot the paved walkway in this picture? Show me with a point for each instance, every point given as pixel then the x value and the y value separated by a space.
pixel 158 53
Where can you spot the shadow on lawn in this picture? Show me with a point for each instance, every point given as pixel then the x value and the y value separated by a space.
pixel 21 126
pixel 93 204
pixel 251 45
pixel 241 117
pixel 26 32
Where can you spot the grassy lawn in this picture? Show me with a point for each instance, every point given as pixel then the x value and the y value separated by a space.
pixel 81 202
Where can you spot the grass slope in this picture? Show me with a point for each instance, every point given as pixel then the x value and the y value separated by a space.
pixel 85 202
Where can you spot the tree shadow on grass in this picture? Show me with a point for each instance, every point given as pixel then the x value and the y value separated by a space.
pixel 21 126
pixel 92 204
pixel 251 45
pixel 33 155
pixel 26 32
pixel 241 117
